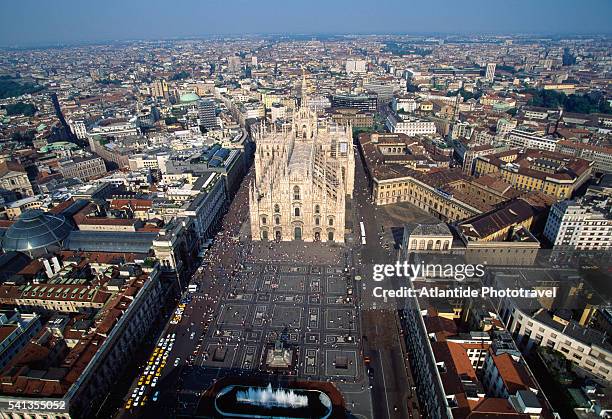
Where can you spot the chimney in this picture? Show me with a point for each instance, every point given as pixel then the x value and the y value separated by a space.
pixel 56 265
pixel 48 269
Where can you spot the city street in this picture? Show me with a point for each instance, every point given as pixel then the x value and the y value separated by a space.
pixel 387 367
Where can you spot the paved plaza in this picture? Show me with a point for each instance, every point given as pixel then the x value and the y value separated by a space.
pixel 310 309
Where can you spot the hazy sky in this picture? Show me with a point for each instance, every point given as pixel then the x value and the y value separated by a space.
pixel 25 22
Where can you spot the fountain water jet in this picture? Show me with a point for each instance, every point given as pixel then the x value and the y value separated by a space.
pixel 258 402
pixel 272 398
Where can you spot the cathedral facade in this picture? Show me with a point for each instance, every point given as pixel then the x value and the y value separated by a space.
pixel 303 175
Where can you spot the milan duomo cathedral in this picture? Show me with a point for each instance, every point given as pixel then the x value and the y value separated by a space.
pixel 303 175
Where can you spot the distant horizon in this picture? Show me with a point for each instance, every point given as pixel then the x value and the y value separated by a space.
pixel 30 23
pixel 216 36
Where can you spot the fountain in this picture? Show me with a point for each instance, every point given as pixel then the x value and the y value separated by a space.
pixel 266 402
pixel 269 397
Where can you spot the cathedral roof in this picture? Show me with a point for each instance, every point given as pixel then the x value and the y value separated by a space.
pixel 299 162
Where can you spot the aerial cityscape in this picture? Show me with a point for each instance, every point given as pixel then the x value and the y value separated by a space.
pixel 384 212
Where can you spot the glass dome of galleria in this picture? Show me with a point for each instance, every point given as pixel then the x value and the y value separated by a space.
pixel 36 229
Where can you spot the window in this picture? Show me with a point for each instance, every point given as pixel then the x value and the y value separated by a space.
pixel 317 209
pixel 331 221
pixel 277 220
pixel 263 220
pixel 296 193
pixel 276 208
pixel 317 221
pixel 296 211
pixel 330 236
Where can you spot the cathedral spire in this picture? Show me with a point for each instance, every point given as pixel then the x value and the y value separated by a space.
pixel 304 89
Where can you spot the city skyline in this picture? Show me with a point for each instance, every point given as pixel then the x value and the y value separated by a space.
pixel 73 22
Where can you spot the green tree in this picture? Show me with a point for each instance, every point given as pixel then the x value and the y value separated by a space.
pixel 109 81
pixel 11 88
pixel 180 75
pixel 20 108
pixel 594 102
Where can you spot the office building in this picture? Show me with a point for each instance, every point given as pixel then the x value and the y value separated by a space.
pixel 356 66
pixel 207 114
pixel 361 102
pixel 234 63
pixel 490 72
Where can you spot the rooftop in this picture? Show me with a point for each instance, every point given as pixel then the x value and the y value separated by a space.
pixel 36 229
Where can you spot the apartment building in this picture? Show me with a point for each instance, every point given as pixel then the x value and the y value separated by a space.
pixel 409 125
pixel 85 168
pixel 404 104
pixel 119 127
pixel 467 152
pixel 207 207
pixel 355 117
pixel 600 155
pixel 92 354
pixel 585 224
pixel 553 173
pixel 584 346
pixel 13 179
pixel 470 373
pixel 16 329
pixel 521 138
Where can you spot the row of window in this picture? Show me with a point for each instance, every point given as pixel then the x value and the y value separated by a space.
pixel 296 213
pixel 297 235
pixel 430 245
pixel 317 208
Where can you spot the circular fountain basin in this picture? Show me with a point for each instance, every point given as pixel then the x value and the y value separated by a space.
pixel 267 403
